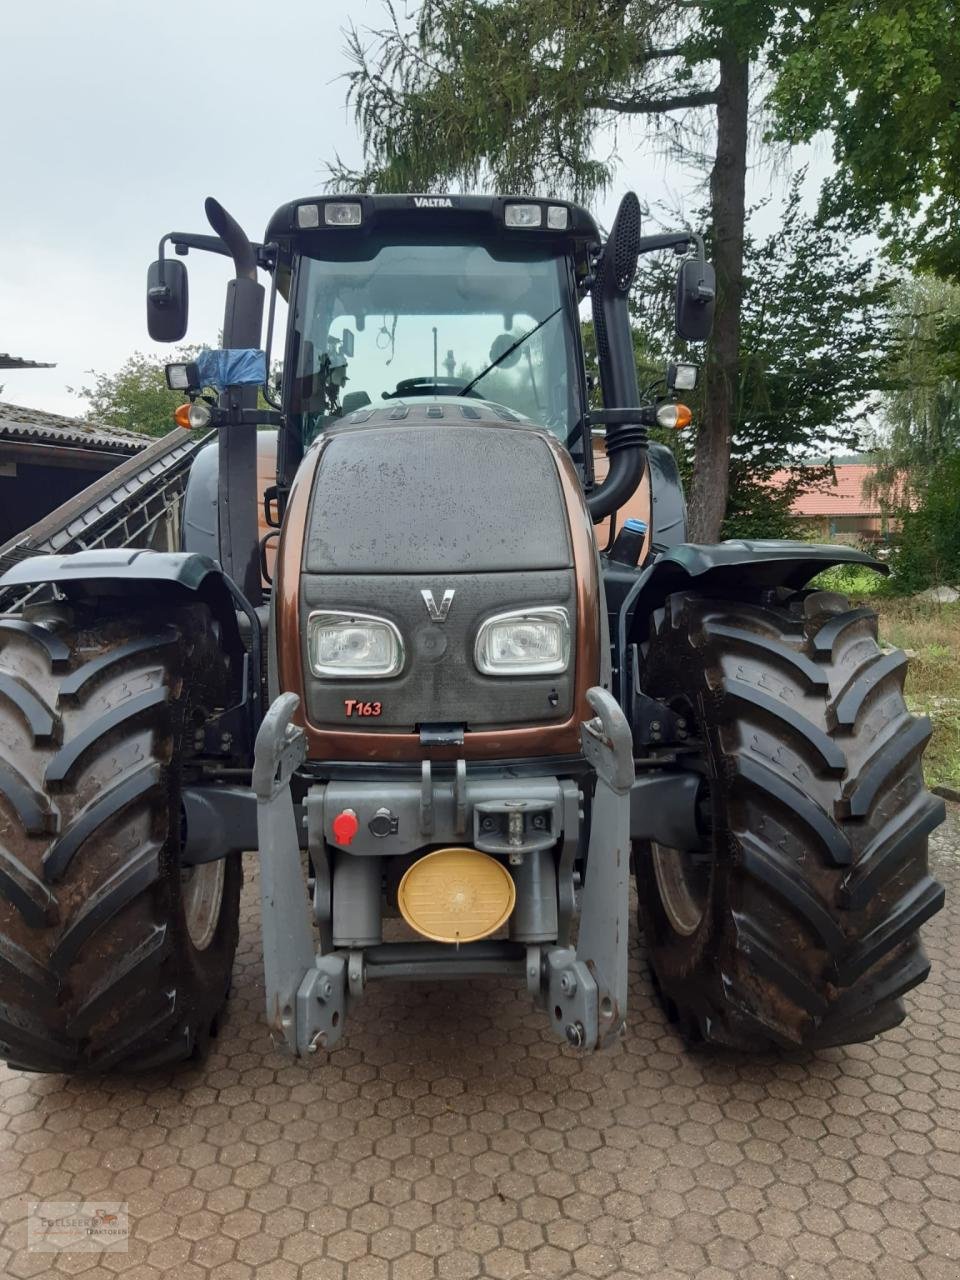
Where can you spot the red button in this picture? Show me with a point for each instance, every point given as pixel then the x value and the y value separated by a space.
pixel 345 827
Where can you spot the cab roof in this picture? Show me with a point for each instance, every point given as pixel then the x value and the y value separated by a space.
pixel 311 221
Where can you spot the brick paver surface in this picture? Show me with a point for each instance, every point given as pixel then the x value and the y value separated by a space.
pixel 451 1138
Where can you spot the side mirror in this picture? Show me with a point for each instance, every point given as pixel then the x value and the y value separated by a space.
pixel 346 343
pixel 167 300
pixel 696 297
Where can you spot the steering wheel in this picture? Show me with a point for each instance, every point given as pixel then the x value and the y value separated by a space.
pixel 435 386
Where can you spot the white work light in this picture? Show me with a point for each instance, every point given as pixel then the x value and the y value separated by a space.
pixel 182 377
pixel 353 644
pixel 682 377
pixel 558 217
pixel 342 213
pixel 523 215
pixel 308 216
pixel 524 642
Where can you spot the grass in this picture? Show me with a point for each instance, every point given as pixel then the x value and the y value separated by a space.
pixel 931 635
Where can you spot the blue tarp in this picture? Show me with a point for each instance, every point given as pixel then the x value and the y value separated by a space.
pixel 235 367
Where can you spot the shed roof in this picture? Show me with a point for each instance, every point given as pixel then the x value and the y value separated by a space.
pixel 8 361
pixel 20 423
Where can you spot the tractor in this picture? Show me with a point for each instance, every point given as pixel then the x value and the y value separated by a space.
pixel 435 644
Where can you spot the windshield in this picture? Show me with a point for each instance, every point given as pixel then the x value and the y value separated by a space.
pixel 425 320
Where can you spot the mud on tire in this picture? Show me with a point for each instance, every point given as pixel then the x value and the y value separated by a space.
pixel 111 957
pixel 797 925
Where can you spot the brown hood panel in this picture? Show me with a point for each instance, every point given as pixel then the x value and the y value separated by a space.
pixel 557 738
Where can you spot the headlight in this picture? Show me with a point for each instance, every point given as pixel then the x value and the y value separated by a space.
pixel 526 642
pixel 353 644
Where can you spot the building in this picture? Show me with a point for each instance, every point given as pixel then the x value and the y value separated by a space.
pixel 46 458
pixel 7 361
pixel 845 507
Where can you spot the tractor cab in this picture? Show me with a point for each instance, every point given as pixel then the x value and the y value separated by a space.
pixel 454 299
pixel 399 301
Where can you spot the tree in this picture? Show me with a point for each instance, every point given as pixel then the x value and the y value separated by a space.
pixel 817 345
pixel 883 77
pixel 513 93
pixel 136 397
pixel 918 450
pixel 928 548
pixel 921 412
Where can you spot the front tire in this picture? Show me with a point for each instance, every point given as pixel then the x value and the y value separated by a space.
pixel 796 923
pixel 112 956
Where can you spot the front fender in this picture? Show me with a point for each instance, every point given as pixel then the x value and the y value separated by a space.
pixel 138 577
pixel 724 567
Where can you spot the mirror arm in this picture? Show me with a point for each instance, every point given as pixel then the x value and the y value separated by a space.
pixel 161 294
pixel 680 241
pixel 267 390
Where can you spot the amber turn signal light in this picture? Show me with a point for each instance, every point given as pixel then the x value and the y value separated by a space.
pixel 195 414
pixel 676 416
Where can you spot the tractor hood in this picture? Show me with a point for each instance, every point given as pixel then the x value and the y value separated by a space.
pixel 436 487
pixel 437 516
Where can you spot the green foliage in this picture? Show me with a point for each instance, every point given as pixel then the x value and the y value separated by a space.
pixel 928 550
pixel 511 93
pixel 921 411
pixel 853 580
pixel 649 358
pixel 136 397
pixel 918 455
pixel 882 77
pixel 816 342
pixel 758 510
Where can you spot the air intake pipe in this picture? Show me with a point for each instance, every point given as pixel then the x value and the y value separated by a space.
pixel 626 440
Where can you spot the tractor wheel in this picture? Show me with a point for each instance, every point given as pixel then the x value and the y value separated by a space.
pixel 796 922
pixel 112 956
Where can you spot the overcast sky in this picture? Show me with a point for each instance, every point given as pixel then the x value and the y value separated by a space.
pixel 120 116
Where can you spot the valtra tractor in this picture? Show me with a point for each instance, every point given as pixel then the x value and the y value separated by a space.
pixel 452 719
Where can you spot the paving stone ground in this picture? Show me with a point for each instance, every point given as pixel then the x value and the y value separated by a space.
pixel 451 1138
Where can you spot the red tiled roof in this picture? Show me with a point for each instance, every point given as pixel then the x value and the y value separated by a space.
pixel 845 497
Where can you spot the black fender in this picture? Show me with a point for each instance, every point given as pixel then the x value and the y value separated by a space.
pixel 733 567
pixel 154 579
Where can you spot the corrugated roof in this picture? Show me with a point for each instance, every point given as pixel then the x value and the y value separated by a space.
pixel 17 422
pixel 8 361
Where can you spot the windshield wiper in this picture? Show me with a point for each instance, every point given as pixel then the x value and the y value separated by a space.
pixel 509 351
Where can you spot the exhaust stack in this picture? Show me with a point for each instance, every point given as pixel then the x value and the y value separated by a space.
pixel 626 440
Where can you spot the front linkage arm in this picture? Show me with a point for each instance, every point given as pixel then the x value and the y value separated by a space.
pixel 585 989
pixel 306 993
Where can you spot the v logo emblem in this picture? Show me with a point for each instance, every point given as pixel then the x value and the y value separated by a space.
pixel 438 612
